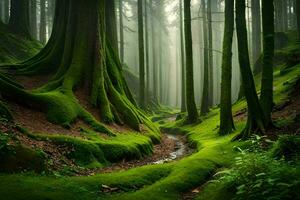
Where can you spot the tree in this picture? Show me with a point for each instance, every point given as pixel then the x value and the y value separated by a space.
pixel 210 55
pixel 141 53
pixel 147 52
pixel 226 120
pixel 205 94
pixel 83 61
pixel 154 58
pixel 43 23
pixel 190 97
pixel 6 10
pixel 256 30
pixel 33 18
pixel 19 17
pixel 183 95
pixel 266 98
pixel 256 119
pixel 121 30
pixel 111 24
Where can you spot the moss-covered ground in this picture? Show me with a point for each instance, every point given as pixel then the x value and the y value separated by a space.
pixel 151 182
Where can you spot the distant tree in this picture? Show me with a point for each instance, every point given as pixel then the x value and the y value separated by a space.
pixel 33 18
pixel 141 53
pixel 182 56
pixel 121 30
pixel 210 54
pixel 205 95
pixel 43 22
pixel 266 98
pixel 256 30
pixel 147 52
pixel 190 97
pixel 226 120
pixel 19 21
pixel 256 119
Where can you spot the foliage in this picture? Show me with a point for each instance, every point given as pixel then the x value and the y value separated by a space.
pixel 287 147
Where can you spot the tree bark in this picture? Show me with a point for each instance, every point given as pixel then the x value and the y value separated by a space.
pixel 205 94
pixel 256 119
pixel 256 30
pixel 210 54
pixel 121 30
pixel 226 120
pixel 182 56
pixel 33 18
pixel 111 24
pixel 266 98
pixel 147 53
pixel 141 53
pixel 190 97
pixel 43 25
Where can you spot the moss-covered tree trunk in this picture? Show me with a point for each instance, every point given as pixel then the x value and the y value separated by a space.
pixel 226 120
pixel 190 96
pixel 205 95
pixel 111 24
pixel 266 98
pixel 43 23
pixel 81 60
pixel 141 53
pixel 182 56
pixel 19 21
pixel 256 119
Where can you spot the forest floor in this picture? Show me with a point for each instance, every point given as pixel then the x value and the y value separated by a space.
pixel 185 165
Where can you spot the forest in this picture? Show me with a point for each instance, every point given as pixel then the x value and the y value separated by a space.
pixel 149 99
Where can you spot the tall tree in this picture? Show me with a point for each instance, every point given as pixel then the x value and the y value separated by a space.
pixel 141 53
pixel 111 23
pixel 226 120
pixel 147 51
pixel 190 96
pixel 121 27
pixel 19 21
pixel 81 59
pixel 205 94
pixel 154 57
pixel 43 22
pixel 256 30
pixel 266 98
pixel 33 18
pixel 182 56
pixel 210 54
pixel 256 119
pixel 6 10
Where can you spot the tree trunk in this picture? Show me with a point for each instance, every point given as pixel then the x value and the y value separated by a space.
pixel 33 18
pixel 111 23
pixel 266 98
pixel 147 54
pixel 6 11
pixel 256 119
pixel 141 53
pixel 154 67
pixel 190 97
pixel 210 55
pixel 226 120
pixel 19 21
pixel 43 25
pixel 121 31
pixel 256 30
pixel 83 62
pixel 182 56
pixel 205 97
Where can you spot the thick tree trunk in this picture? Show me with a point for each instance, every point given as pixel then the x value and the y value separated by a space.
pixel 226 120
pixel 141 53
pixel 190 97
pixel 182 56
pixel 43 25
pixel 256 119
pixel 82 60
pixel 256 30
pixel 121 31
pixel 266 98
pixel 205 94
pixel 33 18
pixel 19 21
pixel 154 67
